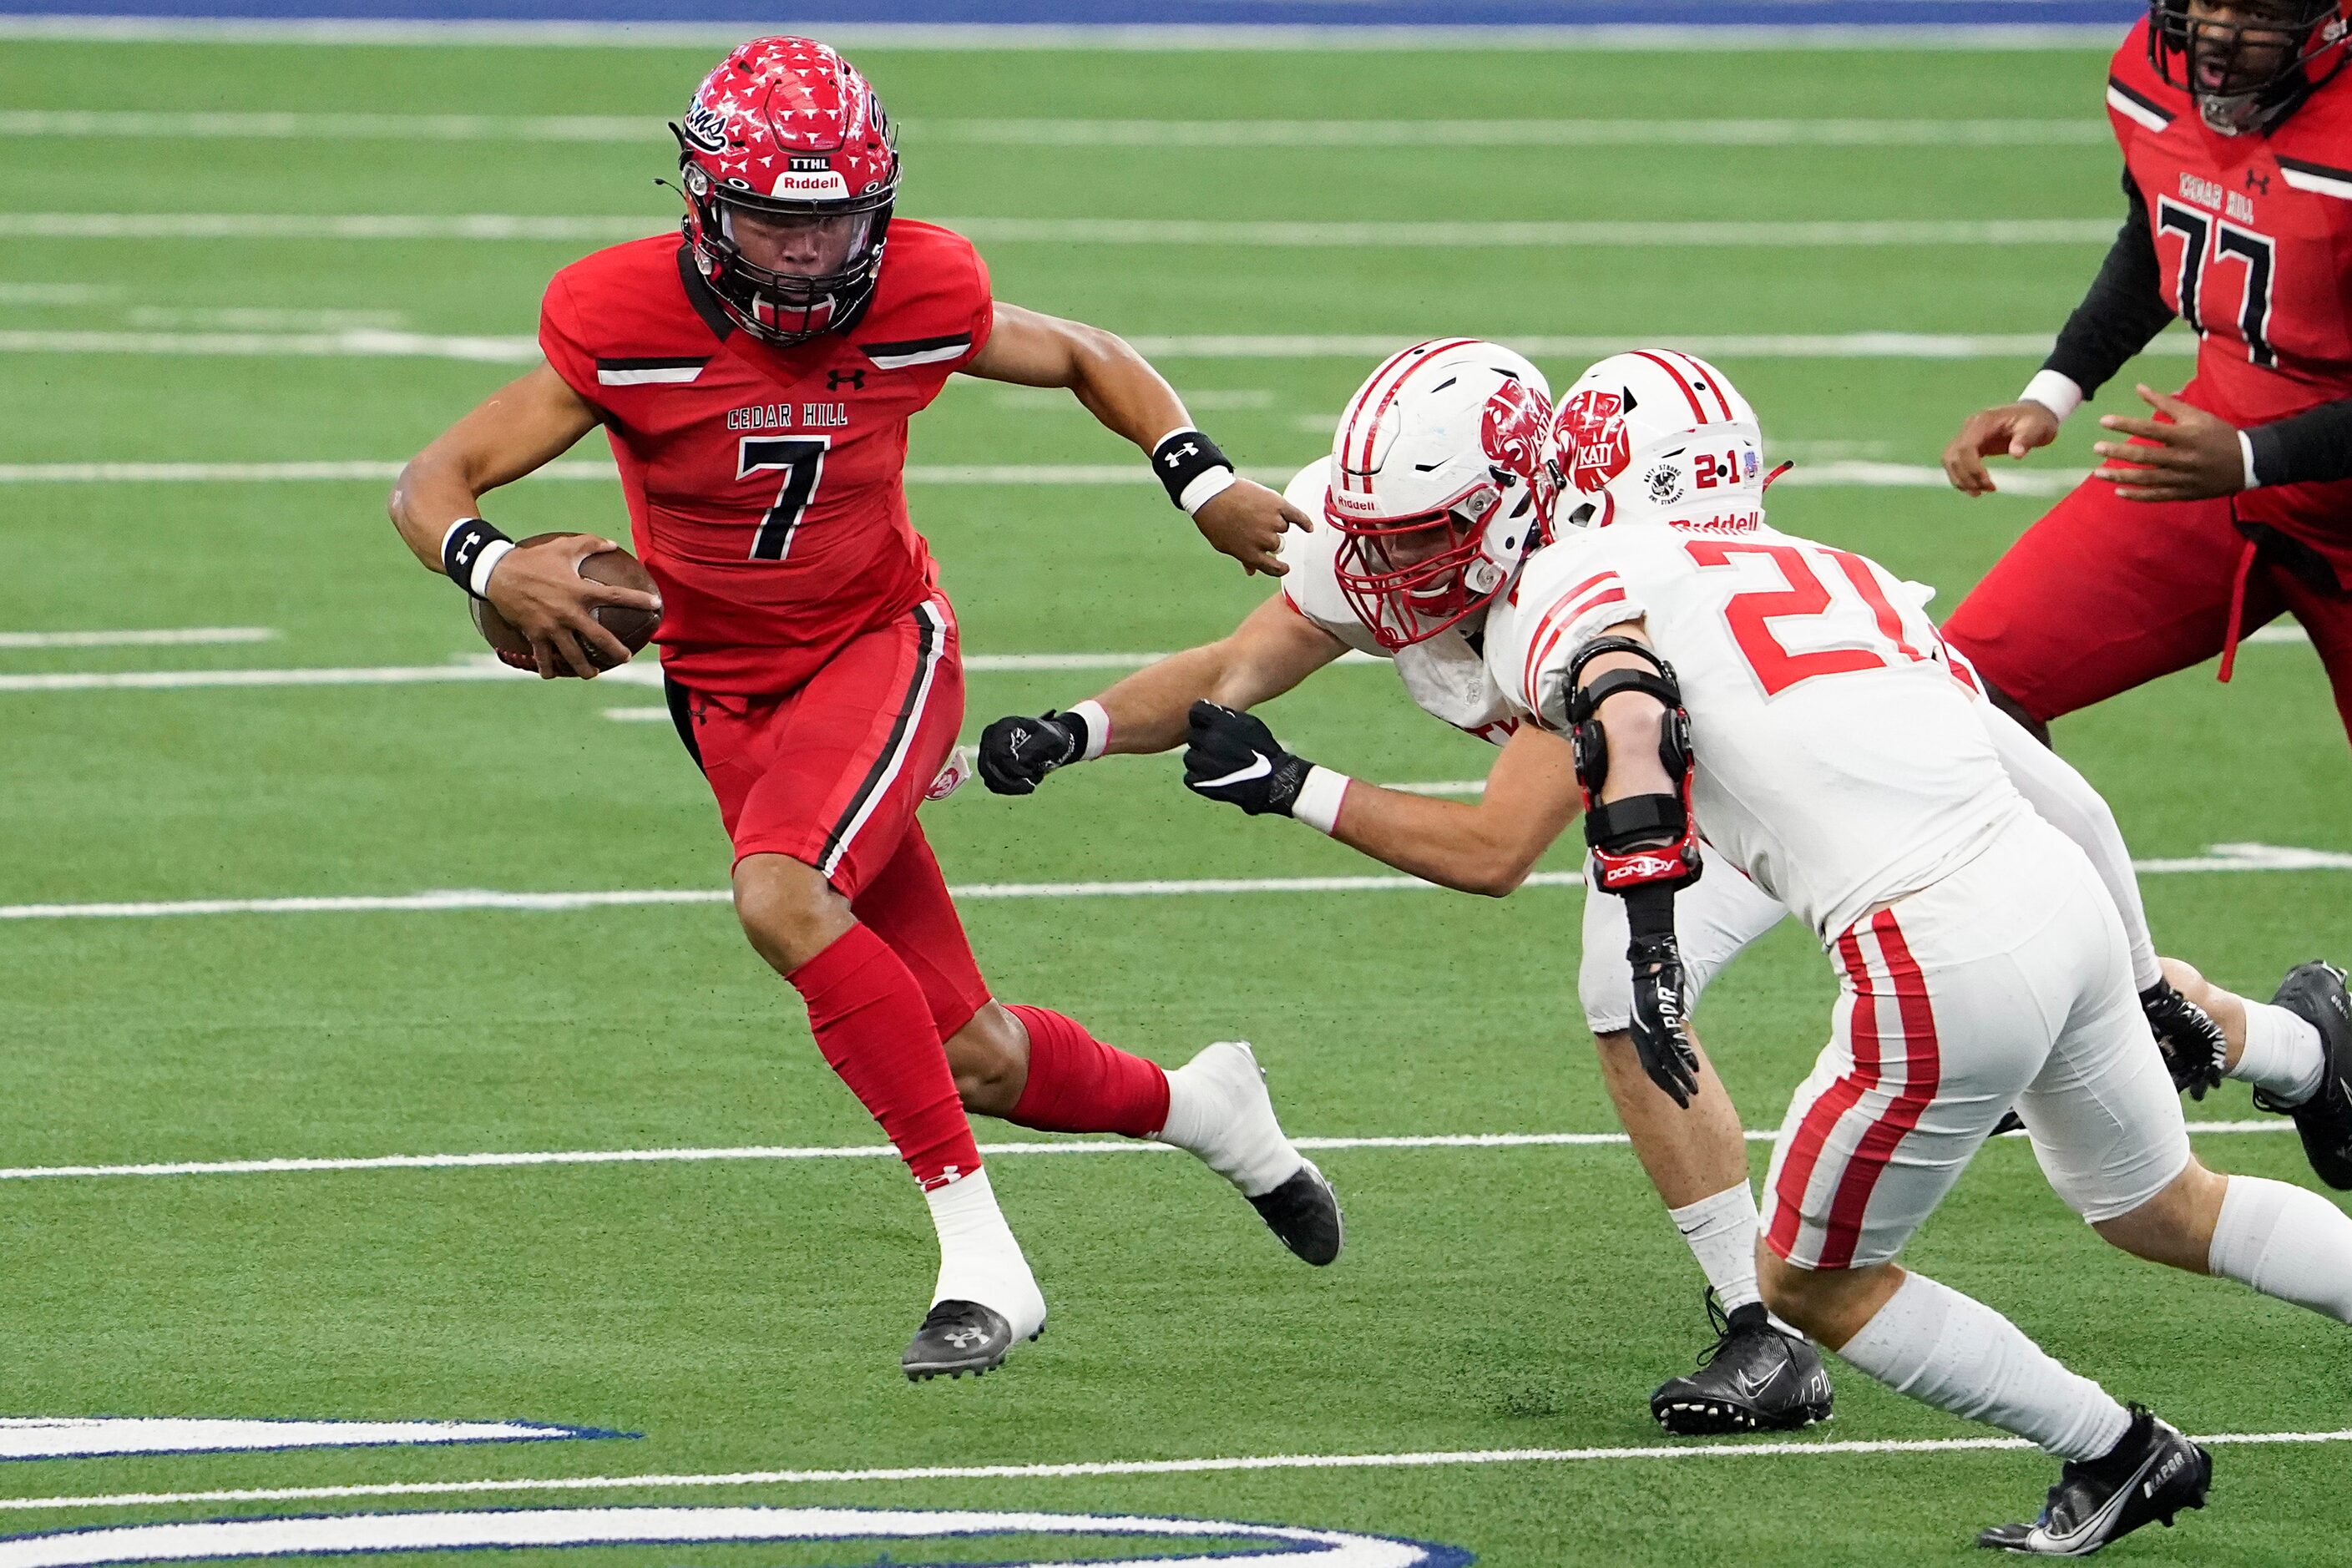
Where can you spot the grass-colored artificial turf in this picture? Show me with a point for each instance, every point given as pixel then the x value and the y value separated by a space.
pixel 745 1315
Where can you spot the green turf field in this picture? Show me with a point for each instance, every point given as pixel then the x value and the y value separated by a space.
pixel 745 1315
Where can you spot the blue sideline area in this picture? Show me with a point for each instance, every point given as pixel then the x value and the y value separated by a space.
pixel 1449 14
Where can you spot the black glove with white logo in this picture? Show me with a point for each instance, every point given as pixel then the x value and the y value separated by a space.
pixel 1659 1039
pixel 2192 1044
pixel 1234 758
pixel 1015 754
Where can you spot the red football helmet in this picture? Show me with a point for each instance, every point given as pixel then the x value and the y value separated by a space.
pixel 786 138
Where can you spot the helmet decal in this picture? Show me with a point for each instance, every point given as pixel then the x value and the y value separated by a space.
pixel 1591 435
pixel 1512 430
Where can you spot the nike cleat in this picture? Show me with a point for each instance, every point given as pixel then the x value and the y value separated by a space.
pixel 1304 1212
pixel 958 1337
pixel 2315 992
pixel 1753 1378
pixel 2153 1474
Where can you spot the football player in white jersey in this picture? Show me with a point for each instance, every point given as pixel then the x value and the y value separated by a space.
pixel 1440 450
pixel 1689 671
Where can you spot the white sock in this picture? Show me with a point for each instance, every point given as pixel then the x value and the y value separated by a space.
pixel 979 1259
pixel 2284 1057
pixel 2285 1241
pixel 1218 1109
pixel 1721 1231
pixel 1960 1355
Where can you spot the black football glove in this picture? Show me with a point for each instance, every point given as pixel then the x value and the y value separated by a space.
pixel 1234 758
pixel 1657 1021
pixel 1015 754
pixel 2191 1040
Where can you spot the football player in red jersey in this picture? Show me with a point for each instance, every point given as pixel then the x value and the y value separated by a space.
pixel 755 379
pixel 2234 504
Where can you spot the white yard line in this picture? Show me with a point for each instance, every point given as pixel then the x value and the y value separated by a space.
pixel 1841 472
pixel 1252 134
pixel 756 1152
pixel 1317 40
pixel 1091 1470
pixel 372 343
pixel 166 637
pixel 2221 857
pixel 1355 235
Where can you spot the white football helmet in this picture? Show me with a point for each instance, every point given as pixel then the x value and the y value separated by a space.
pixel 1655 431
pixel 1439 485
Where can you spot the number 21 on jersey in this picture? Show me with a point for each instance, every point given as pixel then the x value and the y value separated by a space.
pixel 1842 624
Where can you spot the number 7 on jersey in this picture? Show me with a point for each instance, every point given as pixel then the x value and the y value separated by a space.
pixel 801 459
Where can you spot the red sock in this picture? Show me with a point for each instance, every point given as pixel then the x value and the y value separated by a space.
pixel 876 1030
pixel 1078 1084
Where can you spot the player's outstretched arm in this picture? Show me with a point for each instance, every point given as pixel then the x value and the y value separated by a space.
pixel 1118 386
pixel 1486 847
pixel 1272 650
pixel 521 428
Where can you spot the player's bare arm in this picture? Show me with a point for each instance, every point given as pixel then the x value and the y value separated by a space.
pixel 1240 518
pixel 1272 650
pixel 1487 847
pixel 519 429
pixel 2009 429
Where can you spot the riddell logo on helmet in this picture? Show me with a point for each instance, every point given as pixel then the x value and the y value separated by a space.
pixel 826 183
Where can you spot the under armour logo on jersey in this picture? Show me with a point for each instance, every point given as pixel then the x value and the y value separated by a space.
pixel 2258 184
pixel 834 380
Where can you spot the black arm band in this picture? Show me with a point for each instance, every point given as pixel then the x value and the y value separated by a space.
pixel 463 547
pixel 1184 457
pixel 2310 447
pixel 2122 312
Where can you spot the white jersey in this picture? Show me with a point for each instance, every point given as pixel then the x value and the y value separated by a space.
pixel 1840 761
pixel 1444 676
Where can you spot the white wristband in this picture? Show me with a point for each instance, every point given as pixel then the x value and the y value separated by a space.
pixel 492 554
pixel 2246 451
pixel 1205 488
pixel 1319 798
pixel 2054 392
pixel 1097 728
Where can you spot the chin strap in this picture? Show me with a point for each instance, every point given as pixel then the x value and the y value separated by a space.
pixel 1642 841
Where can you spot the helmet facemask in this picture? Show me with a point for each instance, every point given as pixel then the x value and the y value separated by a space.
pixel 1410 578
pixel 841 242
pixel 2248 63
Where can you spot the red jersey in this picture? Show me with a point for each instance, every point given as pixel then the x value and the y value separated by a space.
pixel 2253 235
pixel 766 486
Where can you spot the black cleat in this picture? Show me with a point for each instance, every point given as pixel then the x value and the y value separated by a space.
pixel 958 1337
pixel 1305 1213
pixel 2315 992
pixel 2152 1474
pixel 1753 1378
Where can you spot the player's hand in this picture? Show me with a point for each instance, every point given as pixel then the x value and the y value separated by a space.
pixel 1246 520
pixel 2015 428
pixel 1234 758
pixel 1017 754
pixel 1657 1022
pixel 2195 455
pixel 2192 1043
pixel 539 589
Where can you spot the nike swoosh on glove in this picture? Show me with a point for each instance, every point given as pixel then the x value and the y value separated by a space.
pixel 1234 758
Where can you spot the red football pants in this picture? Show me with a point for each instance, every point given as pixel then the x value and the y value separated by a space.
pixel 2104 595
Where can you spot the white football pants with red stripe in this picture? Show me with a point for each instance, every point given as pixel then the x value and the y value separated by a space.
pixel 2008 982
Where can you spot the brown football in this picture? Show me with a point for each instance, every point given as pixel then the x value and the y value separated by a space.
pixel 617 568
